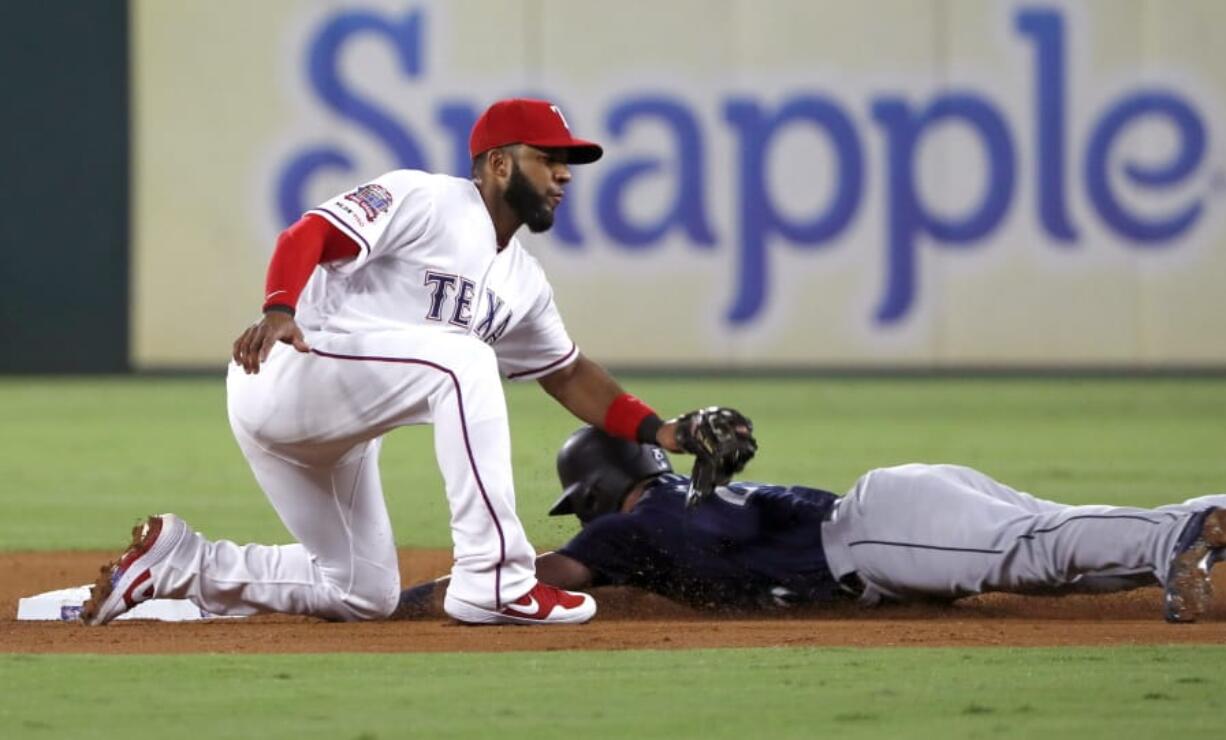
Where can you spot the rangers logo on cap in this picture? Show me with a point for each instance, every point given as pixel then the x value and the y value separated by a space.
pixel 537 123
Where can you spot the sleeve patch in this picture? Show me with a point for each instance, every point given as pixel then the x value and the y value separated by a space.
pixel 373 200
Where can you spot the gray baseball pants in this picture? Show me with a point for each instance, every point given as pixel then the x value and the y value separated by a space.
pixel 947 531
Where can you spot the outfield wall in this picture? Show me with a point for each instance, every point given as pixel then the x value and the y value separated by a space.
pixel 894 183
pixel 64 234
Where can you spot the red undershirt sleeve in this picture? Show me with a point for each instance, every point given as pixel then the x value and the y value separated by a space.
pixel 310 241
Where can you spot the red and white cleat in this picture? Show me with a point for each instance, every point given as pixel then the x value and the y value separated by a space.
pixel 127 582
pixel 544 604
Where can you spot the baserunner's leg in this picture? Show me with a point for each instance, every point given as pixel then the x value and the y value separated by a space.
pixel 918 530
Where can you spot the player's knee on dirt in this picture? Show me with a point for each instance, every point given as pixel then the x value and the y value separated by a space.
pixel 373 599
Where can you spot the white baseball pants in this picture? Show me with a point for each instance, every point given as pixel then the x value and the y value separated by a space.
pixel 310 426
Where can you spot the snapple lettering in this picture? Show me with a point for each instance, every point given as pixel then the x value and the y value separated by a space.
pixel 900 123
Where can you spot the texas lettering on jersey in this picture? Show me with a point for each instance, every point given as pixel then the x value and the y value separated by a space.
pixel 495 319
pixel 429 257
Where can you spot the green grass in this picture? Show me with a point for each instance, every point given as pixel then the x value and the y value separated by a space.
pixel 844 693
pixel 83 459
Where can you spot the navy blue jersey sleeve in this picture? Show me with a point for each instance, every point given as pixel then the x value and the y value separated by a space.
pixel 613 547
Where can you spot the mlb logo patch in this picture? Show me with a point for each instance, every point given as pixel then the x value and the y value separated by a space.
pixel 374 199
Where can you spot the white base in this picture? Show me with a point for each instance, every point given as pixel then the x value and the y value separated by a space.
pixel 65 604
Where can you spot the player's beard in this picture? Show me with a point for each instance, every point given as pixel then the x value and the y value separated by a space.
pixel 530 206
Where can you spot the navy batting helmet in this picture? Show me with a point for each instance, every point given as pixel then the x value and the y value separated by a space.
pixel 597 471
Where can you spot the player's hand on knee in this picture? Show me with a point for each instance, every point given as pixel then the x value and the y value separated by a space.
pixel 253 345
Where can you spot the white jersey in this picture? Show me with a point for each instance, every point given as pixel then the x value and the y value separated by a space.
pixel 429 257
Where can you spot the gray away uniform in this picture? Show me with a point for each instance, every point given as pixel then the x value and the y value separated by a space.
pixel 950 531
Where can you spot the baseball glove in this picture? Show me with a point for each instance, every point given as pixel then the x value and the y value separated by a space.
pixel 721 440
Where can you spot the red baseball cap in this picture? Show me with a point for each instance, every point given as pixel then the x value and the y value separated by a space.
pixel 536 123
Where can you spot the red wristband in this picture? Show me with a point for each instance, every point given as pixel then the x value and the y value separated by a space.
pixel 624 416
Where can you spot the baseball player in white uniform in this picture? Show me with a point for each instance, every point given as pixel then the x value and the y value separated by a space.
pixel 399 302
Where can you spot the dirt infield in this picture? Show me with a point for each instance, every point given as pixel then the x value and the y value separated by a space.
pixel 626 620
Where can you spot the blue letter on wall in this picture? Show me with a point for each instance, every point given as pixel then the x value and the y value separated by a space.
pixel 1047 28
pixel 1191 134
pixel 687 211
pixel 907 218
pixel 759 217
pixel 324 63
